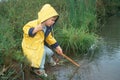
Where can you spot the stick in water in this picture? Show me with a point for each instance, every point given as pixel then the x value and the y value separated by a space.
pixel 71 60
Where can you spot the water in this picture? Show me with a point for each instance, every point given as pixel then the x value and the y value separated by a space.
pixel 105 65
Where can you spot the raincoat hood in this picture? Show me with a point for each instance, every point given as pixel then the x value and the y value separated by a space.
pixel 46 12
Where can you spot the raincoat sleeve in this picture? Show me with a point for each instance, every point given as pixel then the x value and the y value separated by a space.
pixel 51 41
pixel 28 30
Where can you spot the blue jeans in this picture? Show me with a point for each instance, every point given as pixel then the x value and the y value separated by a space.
pixel 47 53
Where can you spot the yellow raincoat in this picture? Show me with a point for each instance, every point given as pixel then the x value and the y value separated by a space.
pixel 33 47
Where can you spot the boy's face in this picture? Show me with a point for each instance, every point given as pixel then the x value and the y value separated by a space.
pixel 49 22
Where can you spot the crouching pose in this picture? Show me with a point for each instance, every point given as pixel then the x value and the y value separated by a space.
pixel 35 34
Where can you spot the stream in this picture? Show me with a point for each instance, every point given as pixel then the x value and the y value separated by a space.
pixel 105 64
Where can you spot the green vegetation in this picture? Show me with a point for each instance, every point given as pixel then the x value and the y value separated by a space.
pixel 105 9
pixel 74 40
pixel 75 30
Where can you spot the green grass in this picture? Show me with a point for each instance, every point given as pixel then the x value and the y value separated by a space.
pixel 75 40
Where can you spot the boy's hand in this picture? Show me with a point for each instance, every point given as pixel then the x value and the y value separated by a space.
pixel 38 28
pixel 59 50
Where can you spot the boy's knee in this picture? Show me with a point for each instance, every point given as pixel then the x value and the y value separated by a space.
pixel 50 52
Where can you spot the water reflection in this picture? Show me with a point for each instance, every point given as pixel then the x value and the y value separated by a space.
pixel 106 66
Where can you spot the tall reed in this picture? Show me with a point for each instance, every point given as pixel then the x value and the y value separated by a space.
pixel 74 40
pixel 77 32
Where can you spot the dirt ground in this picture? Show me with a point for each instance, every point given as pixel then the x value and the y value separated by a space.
pixel 28 75
pixel 23 72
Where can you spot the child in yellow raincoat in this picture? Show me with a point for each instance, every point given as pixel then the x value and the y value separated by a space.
pixel 36 34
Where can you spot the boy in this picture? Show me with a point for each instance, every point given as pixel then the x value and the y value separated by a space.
pixel 36 33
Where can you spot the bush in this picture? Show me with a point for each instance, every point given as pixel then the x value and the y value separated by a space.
pixel 75 40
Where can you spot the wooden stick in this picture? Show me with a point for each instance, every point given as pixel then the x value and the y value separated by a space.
pixel 71 60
